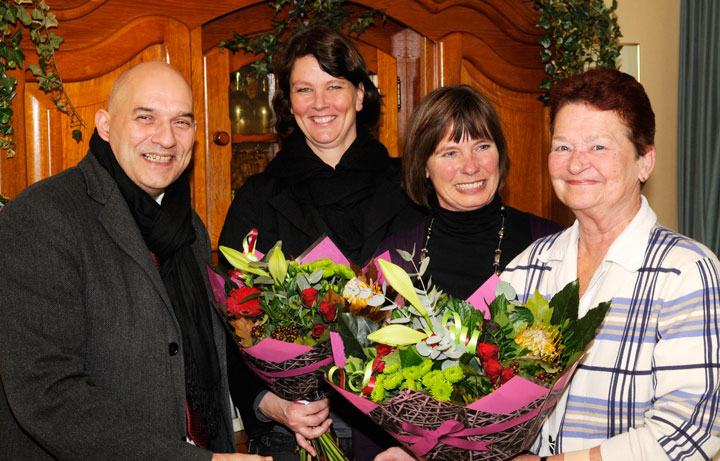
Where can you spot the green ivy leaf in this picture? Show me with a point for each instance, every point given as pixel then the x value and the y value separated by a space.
pixel 35 69
pixel 24 16
pixel 51 20
pixel 11 14
pixel 5 115
pixel 55 41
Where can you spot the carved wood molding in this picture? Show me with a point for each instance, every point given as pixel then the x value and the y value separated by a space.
pixel 119 46
pixel 516 18
pixel 64 11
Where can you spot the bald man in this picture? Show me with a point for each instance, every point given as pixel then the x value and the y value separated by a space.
pixel 109 348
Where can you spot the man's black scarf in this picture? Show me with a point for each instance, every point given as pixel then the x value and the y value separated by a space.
pixel 168 232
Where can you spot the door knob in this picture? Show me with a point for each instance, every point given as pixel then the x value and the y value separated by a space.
pixel 221 138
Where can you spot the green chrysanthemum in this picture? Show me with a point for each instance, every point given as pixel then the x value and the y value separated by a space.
pixel 391 368
pixel 432 377
pixel 441 389
pixel 453 374
pixel 378 392
pixel 393 381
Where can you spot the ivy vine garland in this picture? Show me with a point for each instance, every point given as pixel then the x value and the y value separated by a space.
pixel 301 13
pixel 578 34
pixel 33 15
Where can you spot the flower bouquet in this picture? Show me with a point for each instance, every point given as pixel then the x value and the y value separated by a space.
pixel 454 382
pixel 280 314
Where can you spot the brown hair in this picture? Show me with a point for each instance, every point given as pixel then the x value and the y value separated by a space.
pixel 338 56
pixel 460 111
pixel 609 89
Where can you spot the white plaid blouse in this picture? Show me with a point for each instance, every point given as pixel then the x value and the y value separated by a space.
pixel 649 388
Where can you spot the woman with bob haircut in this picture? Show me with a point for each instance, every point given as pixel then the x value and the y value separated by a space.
pixel 331 177
pixel 455 161
pixel 648 387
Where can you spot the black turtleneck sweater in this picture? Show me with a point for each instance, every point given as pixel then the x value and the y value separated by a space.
pixel 299 198
pixel 462 243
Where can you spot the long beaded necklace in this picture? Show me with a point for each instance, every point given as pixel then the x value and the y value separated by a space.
pixel 498 251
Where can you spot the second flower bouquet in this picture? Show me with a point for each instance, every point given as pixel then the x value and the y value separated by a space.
pixel 454 382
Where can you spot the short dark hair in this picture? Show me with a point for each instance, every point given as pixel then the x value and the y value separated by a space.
pixel 609 89
pixel 466 112
pixel 338 56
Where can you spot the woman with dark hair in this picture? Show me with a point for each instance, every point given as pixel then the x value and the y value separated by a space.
pixel 330 178
pixel 648 387
pixel 455 161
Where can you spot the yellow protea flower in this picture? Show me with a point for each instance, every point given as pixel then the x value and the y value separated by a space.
pixel 542 340
pixel 358 293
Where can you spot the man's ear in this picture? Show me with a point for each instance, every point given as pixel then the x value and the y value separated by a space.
pixel 102 123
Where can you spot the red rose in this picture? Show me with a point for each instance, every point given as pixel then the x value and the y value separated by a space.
pixel 487 351
pixel 244 302
pixel 328 311
pixel 309 296
pixel 506 375
pixel 318 329
pixel 492 370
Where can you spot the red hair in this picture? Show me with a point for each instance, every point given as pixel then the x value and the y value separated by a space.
pixel 609 89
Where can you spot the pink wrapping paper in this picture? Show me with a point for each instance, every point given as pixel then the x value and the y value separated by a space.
pixel 527 401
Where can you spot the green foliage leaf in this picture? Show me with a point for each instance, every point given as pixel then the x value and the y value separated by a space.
pixel 519 316
pixel 565 303
pixel 77 135
pixel 11 14
pixel 540 308
pixel 584 328
pixel 354 330
pixel 23 16
pixel 55 41
pixel 35 69
pixel 5 115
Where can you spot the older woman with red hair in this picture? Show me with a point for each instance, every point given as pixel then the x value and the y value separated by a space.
pixel 649 386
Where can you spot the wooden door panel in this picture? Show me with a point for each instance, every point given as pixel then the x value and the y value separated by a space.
pixel 527 187
pixel 387 85
pixel 216 67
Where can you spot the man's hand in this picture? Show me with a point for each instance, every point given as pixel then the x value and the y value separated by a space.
pixel 308 421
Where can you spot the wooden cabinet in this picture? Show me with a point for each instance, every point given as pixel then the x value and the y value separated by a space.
pixel 490 44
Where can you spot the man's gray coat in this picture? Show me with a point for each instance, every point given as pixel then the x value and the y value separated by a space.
pixel 91 361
